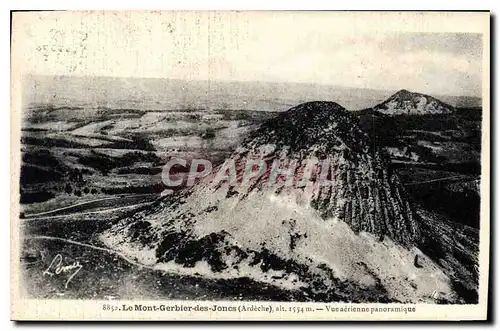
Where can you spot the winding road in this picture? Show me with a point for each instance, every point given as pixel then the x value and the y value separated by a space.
pixel 96 206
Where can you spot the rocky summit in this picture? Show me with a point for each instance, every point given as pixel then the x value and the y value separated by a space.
pixel 410 103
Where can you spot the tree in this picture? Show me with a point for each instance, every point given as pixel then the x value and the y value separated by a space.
pixel 68 189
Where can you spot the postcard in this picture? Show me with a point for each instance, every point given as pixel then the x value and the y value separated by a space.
pixel 250 165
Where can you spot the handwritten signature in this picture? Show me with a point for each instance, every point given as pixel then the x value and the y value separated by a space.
pixel 56 268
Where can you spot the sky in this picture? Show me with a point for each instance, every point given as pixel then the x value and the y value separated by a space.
pixel 378 52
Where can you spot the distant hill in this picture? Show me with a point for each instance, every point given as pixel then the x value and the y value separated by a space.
pixel 405 102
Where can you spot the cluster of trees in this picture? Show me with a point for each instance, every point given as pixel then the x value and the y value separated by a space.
pixel 105 163
pixel 79 191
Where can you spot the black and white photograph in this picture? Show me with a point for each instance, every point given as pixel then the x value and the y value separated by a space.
pixel 232 162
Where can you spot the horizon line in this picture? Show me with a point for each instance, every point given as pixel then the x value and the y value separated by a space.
pixel 250 81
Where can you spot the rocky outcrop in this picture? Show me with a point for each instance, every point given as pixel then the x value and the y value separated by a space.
pixel 361 190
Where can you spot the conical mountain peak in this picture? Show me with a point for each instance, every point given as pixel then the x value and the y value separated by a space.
pixel 405 102
pixel 319 215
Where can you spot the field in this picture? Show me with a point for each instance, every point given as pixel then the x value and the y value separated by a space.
pixel 69 155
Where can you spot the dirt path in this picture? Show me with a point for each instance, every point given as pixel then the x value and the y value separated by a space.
pixel 101 211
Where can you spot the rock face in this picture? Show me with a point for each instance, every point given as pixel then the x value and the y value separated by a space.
pixel 409 103
pixel 337 228
pixel 362 192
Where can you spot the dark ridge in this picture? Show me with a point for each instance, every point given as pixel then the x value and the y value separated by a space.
pixel 403 92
